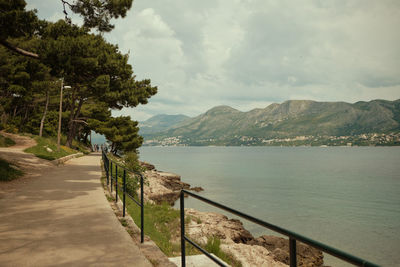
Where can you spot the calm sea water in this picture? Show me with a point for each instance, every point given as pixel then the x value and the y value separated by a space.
pixel 348 198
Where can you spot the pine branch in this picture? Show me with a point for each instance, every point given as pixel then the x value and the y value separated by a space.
pixel 18 50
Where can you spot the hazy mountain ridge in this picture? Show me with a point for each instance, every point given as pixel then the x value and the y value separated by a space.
pixel 160 123
pixel 289 119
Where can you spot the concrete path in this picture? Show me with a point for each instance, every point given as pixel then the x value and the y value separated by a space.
pixel 62 218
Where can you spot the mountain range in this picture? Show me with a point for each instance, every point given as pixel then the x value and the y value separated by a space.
pixel 224 124
pixel 159 123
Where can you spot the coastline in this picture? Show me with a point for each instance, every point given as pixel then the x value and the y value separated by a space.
pixel 265 250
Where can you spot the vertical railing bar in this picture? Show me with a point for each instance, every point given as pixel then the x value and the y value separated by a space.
pixel 182 207
pixel 105 164
pixel 111 184
pixel 292 252
pixel 123 196
pixel 141 210
pixel 116 183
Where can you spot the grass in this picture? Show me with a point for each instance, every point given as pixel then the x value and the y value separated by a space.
pixel 40 150
pixel 6 142
pixel 7 172
pixel 161 225
pixel 213 246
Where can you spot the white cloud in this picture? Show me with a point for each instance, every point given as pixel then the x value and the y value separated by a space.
pixel 246 53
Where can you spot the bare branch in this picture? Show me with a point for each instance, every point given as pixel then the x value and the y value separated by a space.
pixel 18 50
pixel 81 121
pixel 65 2
pixel 67 19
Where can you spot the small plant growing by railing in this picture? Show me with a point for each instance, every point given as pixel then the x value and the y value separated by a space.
pixel 214 246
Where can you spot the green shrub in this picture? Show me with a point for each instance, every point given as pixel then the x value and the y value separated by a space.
pixel 5 141
pixel 132 185
pixel 131 160
pixel 79 146
pixel 8 173
pixel 10 128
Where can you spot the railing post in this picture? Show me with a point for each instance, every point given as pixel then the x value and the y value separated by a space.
pixel 183 252
pixel 111 185
pixel 141 210
pixel 123 196
pixel 106 167
pixel 116 183
pixel 292 252
pixel 108 171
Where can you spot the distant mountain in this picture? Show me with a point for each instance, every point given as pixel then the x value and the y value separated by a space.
pixel 223 124
pixel 160 123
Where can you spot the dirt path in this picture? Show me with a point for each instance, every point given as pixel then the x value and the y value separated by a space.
pixel 61 217
pixel 29 163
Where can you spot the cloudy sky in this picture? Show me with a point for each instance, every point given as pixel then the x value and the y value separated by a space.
pixel 251 53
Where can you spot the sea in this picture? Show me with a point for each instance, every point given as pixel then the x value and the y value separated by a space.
pixel 344 197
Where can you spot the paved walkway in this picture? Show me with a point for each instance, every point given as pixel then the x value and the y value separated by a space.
pixel 62 218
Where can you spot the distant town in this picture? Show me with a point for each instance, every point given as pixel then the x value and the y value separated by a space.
pixel 370 139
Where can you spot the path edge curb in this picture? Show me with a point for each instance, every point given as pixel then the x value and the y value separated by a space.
pixel 66 158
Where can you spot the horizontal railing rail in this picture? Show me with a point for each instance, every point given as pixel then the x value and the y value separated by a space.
pixel 293 237
pixel 108 166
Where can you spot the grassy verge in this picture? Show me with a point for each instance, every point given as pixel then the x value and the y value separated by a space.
pixel 162 225
pixel 46 148
pixel 8 173
pixel 5 141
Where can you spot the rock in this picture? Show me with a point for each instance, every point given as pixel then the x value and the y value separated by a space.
pixel 196 189
pixel 48 149
pixel 174 183
pixel 251 255
pixel 163 187
pixel 147 165
pixel 279 248
pixel 169 175
pixel 169 198
pixel 217 225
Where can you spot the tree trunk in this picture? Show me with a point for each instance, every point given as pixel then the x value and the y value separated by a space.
pixel 4 118
pixel 72 123
pixel 71 118
pixel 86 137
pixel 22 123
pixel 44 114
pixel 15 111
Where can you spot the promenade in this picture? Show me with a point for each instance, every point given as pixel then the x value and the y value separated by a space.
pixel 61 217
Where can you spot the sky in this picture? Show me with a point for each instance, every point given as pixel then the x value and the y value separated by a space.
pixel 250 53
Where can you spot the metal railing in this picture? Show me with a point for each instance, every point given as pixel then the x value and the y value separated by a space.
pixel 111 180
pixel 293 237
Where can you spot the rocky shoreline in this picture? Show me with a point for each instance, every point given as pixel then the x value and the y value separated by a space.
pixel 163 186
pixel 265 250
